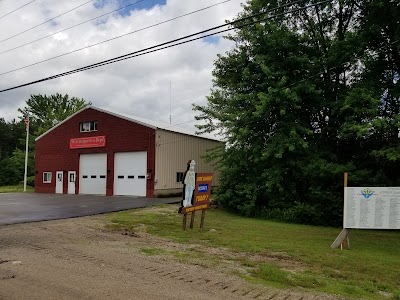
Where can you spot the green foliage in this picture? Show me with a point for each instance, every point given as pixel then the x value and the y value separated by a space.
pixel 275 253
pixel 15 189
pixel 45 112
pixel 30 181
pixel 301 100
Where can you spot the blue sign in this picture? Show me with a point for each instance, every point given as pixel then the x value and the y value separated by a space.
pixel 203 188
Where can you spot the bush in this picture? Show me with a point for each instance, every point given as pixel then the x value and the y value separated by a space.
pixel 304 213
pixel 301 213
pixel 30 181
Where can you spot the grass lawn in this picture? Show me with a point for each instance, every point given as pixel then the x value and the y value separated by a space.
pixel 15 189
pixel 295 256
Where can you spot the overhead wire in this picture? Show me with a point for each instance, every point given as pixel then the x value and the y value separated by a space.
pixel 49 20
pixel 73 26
pixel 9 13
pixel 114 38
pixel 173 42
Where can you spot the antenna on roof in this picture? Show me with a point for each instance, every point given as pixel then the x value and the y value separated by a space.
pixel 170 117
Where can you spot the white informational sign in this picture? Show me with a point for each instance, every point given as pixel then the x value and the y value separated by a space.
pixel 372 207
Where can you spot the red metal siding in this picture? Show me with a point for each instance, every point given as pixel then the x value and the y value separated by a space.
pixel 53 153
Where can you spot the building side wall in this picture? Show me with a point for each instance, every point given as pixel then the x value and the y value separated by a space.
pixel 53 153
pixel 173 150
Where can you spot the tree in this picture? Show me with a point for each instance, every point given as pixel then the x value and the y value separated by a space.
pixel 303 97
pixel 47 111
pixel 9 134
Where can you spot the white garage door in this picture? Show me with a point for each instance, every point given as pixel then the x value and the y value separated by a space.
pixel 130 173
pixel 92 173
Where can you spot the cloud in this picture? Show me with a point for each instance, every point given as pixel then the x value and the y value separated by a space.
pixel 138 86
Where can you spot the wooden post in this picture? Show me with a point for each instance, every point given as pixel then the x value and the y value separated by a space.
pixel 346 240
pixel 192 220
pixel 339 242
pixel 184 221
pixel 203 213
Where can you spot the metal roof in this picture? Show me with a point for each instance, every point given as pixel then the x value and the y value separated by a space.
pixel 138 120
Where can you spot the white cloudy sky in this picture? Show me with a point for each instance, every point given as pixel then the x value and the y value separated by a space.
pixel 138 86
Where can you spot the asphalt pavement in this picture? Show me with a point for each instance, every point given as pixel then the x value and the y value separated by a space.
pixel 31 207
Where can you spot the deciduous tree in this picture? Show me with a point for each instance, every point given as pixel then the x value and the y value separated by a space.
pixel 303 97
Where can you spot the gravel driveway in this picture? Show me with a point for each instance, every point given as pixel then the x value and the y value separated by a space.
pixel 77 259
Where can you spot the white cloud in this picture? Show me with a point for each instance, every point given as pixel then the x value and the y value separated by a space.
pixel 138 86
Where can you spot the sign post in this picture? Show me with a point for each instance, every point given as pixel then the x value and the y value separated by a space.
pixel 26 150
pixel 343 239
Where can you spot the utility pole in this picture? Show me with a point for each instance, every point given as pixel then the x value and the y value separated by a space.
pixel 26 149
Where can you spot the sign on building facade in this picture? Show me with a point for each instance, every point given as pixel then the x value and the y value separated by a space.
pixel 87 142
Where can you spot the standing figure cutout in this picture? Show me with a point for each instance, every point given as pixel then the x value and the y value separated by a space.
pixel 189 182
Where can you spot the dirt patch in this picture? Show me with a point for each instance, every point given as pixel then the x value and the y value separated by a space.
pixel 78 259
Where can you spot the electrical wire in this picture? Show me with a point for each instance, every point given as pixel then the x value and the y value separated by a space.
pixel 172 42
pixel 73 26
pixel 9 13
pixel 29 29
pixel 114 38
pixel 226 24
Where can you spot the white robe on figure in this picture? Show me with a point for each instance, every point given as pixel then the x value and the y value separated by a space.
pixel 190 182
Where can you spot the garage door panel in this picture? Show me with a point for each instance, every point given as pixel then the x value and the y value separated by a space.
pixel 130 173
pixel 92 174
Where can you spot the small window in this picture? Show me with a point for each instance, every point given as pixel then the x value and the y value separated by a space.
pixel 88 126
pixel 46 177
pixel 84 176
pixel 131 177
pixel 179 176
pixel 102 176
pixel 141 177
pixel 93 176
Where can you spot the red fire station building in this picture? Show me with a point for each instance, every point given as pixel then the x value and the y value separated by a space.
pixel 95 151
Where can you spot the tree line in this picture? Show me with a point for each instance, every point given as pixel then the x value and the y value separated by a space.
pixel 304 96
pixel 44 112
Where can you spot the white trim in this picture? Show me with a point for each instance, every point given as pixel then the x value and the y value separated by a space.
pixel 51 175
pixel 81 125
pixel 62 122
pixel 141 121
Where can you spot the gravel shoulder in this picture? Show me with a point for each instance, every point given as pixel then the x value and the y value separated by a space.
pixel 77 259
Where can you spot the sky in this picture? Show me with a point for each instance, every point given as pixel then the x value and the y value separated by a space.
pixel 148 86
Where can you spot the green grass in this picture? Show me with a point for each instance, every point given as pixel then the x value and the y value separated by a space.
pixel 301 254
pixel 15 189
pixel 150 251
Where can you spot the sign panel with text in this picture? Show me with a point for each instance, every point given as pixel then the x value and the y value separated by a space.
pixel 201 195
pixel 372 208
pixel 87 142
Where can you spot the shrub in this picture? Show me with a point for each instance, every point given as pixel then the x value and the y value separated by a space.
pixel 30 181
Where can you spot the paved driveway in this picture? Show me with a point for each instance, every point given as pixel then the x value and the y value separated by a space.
pixel 30 207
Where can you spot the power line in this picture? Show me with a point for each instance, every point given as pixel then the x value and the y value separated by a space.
pixel 114 38
pixel 29 29
pixel 226 24
pixel 16 9
pixel 68 28
pixel 171 43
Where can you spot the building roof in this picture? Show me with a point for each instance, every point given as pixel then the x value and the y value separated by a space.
pixel 138 120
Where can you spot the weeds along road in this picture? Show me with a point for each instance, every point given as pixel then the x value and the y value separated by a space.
pixel 76 259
